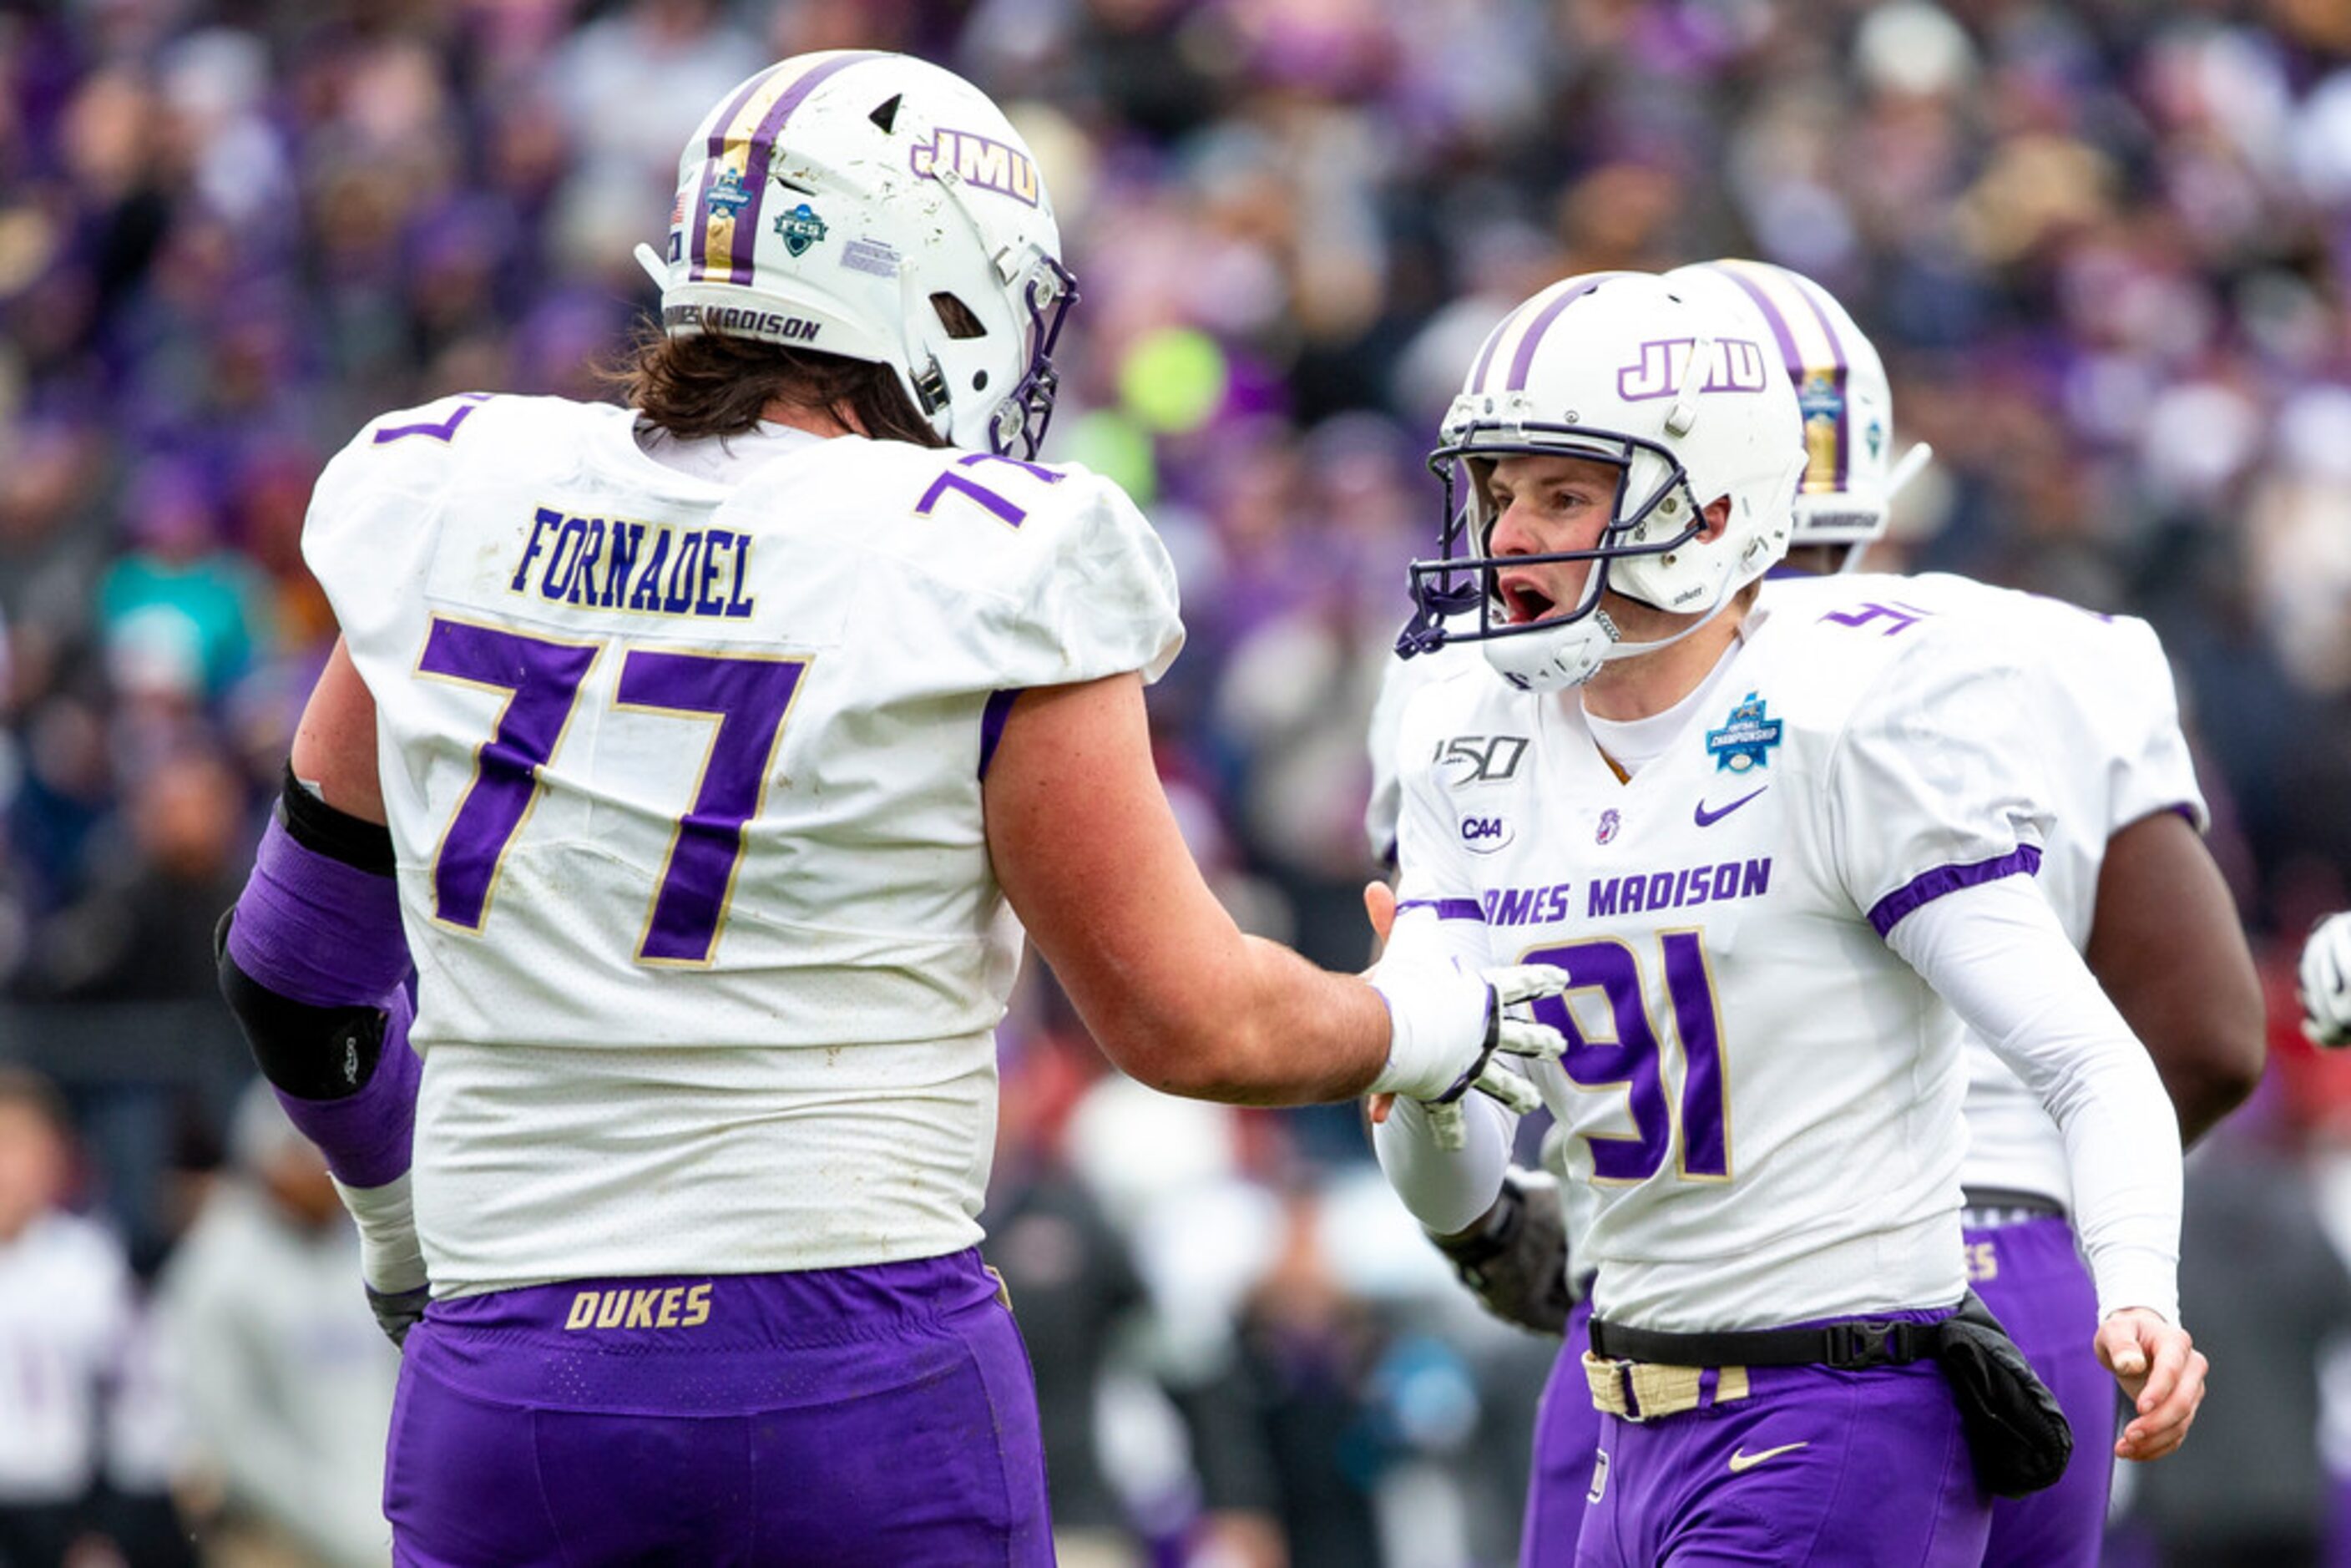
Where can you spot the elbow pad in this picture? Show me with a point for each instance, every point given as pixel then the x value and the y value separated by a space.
pixel 312 954
pixel 314 1052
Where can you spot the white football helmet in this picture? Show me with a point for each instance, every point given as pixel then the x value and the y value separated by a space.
pixel 875 206
pixel 1841 392
pixel 1683 397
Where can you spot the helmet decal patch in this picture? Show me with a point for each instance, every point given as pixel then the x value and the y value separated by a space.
pixel 960 155
pixel 743 140
pixel 1746 739
pixel 879 257
pixel 800 228
pixel 727 197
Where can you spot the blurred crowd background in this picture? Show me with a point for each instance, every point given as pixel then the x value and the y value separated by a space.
pixel 2105 246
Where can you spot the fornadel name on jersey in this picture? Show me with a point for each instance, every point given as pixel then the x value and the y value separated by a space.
pixel 651 567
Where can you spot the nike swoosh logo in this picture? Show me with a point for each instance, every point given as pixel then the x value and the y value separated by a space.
pixel 1707 819
pixel 1740 1459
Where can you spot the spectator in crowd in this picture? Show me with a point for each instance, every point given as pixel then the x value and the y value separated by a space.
pixel 285 1382
pixel 69 1338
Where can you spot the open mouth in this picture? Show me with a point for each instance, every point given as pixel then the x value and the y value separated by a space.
pixel 1523 602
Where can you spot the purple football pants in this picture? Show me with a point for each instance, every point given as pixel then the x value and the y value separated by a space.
pixel 1567 1434
pixel 2035 1282
pixel 1863 1469
pixel 875 1415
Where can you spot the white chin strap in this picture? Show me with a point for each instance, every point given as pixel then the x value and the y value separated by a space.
pixel 1635 650
pixel 1912 464
pixel 655 268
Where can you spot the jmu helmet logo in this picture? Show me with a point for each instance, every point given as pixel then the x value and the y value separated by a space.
pixel 727 197
pixel 800 228
pixel 975 159
pixel 1735 364
pixel 1746 739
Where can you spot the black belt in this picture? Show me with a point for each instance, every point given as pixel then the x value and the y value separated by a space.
pixel 1848 1346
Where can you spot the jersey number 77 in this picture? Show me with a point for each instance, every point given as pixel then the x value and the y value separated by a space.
pixel 748 697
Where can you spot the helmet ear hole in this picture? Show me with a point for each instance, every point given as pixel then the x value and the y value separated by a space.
pixel 960 320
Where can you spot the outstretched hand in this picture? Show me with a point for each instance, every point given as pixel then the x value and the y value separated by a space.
pixel 1498 1081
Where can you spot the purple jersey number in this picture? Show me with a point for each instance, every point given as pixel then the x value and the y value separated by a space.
pixel 1634 1059
pixel 749 697
pixel 542 679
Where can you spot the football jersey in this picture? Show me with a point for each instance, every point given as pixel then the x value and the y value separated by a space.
pixel 684 784
pixel 2106 718
pixel 1764 1096
pixel 67 1318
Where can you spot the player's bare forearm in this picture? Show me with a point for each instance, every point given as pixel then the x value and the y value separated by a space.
pixel 2167 947
pixel 1090 855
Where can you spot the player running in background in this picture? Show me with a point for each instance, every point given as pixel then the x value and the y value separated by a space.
pixel 707 759
pixel 1772 839
pixel 2165 941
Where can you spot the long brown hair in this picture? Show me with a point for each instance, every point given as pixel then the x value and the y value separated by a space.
pixel 713 384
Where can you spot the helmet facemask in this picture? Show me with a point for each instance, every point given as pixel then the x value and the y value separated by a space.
pixel 1464 578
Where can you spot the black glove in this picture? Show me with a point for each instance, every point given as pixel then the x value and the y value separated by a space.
pixel 1515 1262
pixel 398 1312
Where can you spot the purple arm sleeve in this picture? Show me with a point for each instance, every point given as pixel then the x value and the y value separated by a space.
pixel 327 934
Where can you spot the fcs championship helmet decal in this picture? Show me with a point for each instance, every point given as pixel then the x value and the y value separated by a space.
pixel 1682 397
pixel 878 207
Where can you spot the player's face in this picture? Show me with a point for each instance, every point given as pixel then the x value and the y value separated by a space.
pixel 1544 505
pixel 32 1167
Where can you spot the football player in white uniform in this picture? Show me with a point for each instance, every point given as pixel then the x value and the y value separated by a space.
pixel 707 758
pixel 2323 983
pixel 2164 943
pixel 1781 854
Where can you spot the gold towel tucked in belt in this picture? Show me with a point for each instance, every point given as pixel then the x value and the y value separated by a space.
pixel 1645 1390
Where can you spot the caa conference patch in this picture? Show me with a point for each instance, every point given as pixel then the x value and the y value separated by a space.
pixel 1746 739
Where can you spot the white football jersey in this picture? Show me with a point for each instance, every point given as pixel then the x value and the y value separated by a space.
pixel 1764 1097
pixel 2108 718
pixel 683 783
pixel 67 1318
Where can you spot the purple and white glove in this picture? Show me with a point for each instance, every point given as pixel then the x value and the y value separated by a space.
pixel 1447 1023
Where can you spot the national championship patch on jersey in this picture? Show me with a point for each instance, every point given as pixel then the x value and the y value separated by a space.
pixel 1746 739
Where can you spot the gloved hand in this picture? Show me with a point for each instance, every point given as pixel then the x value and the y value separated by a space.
pixel 1447 1022
pixel 1515 1260
pixel 398 1311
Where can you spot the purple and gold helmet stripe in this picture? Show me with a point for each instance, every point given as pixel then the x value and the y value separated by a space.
pixel 1562 294
pixel 742 142
pixel 1824 358
pixel 1529 321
